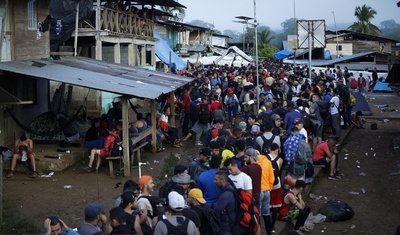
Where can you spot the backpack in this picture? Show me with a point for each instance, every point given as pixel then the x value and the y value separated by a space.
pixel 180 229
pixel 301 158
pixel 117 147
pixel 166 189
pixel 307 123
pixel 323 108
pixel 204 114
pixel 352 100
pixel 344 94
pixel 276 168
pixel 231 102
pixel 247 215
pixel 353 83
pixel 213 225
pixel 158 204
pixel 266 144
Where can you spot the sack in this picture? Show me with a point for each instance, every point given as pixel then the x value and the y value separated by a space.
pixel 213 223
pixel 353 84
pixel 247 215
pixel 204 114
pixel 266 144
pixel 158 204
pixel 352 100
pixel 276 168
pixel 180 229
pixel 336 210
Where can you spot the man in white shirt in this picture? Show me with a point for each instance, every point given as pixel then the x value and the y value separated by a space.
pixel 240 179
pixel 335 103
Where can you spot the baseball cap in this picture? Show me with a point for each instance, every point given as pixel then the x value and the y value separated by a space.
pixel 218 120
pixel 176 201
pixel 229 91
pixel 197 194
pixel 253 153
pixel 182 179
pixel 297 121
pixel 243 125
pixel 205 151
pixel 275 117
pixel 126 198
pixel 92 210
pixel 291 104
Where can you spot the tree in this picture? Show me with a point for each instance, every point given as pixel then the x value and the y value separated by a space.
pixel 289 26
pixel 177 13
pixel 268 52
pixel 264 38
pixel 364 14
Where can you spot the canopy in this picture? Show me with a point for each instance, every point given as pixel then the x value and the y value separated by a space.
pixel 163 51
pixel 235 51
pixel 280 55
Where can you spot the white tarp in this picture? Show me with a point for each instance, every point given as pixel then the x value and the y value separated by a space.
pixel 219 41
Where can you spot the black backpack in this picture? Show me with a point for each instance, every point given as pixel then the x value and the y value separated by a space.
pixel 166 189
pixel 323 109
pixel 180 229
pixel 204 114
pixel 158 204
pixel 213 223
pixel 276 168
pixel 117 148
pixel 266 144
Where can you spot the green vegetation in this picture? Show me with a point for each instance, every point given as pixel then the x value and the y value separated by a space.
pixel 364 15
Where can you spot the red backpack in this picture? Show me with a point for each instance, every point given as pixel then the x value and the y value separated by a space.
pixel 353 84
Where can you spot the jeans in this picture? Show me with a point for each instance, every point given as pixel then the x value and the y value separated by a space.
pixel 231 112
pixel 301 219
pixel 336 124
pixel 264 203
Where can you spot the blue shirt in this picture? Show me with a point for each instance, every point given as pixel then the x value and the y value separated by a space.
pixel 289 118
pixel 70 232
pixel 205 183
pixel 225 208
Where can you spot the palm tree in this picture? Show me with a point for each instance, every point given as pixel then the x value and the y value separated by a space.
pixel 177 12
pixel 264 38
pixel 364 14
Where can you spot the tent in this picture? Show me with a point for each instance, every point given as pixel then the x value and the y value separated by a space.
pixel 163 51
pixel 233 52
pixel 280 55
pixel 382 87
pixel 361 104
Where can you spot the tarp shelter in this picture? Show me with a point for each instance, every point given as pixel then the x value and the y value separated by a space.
pixel 163 52
pixel 394 74
pixel 235 51
pixel 361 104
pixel 280 55
pixel 125 80
pixel 382 87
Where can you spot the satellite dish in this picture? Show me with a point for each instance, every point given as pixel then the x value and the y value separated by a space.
pixel 327 55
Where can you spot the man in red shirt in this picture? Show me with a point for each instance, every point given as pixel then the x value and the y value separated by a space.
pixel 324 154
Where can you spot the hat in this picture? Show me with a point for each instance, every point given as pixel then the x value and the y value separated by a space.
pixel 93 210
pixel 143 180
pixel 285 79
pixel 199 99
pixel 275 117
pixel 243 125
pixel 298 121
pixel 291 104
pixel 218 120
pixel 116 100
pixel 197 194
pixel 179 169
pixel 205 151
pixel 230 91
pixel 253 153
pixel 182 179
pixel 126 198
pixel 176 201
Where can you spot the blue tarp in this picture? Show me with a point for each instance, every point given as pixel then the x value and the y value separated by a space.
pixel 382 87
pixel 163 50
pixel 361 104
pixel 282 54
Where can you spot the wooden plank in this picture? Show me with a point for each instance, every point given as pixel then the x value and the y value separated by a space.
pixel 153 127
pixel 127 168
pixel 141 135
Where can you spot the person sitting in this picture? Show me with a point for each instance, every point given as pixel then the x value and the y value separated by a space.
pixel 294 208
pixel 55 226
pixel 94 215
pixel 23 152
pixel 108 150
pixel 326 155
pixel 171 132
pixel 93 140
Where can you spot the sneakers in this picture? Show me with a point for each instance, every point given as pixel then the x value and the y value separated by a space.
pixel 304 229
pixel 299 232
pixel 333 177
pixel 176 145
pixel 10 175
pixel 88 169
pixel 198 144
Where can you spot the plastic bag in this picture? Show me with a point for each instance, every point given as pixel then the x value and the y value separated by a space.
pixel 316 219
pixel 336 210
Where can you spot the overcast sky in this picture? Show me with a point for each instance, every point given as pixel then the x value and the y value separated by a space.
pixel 273 12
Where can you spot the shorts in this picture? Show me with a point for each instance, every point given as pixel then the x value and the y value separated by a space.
pixel 276 198
pixel 321 162
pixel 264 203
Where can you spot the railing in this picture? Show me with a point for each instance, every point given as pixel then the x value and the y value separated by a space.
pixel 122 23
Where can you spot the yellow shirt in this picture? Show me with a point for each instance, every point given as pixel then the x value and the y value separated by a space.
pixel 226 154
pixel 267 175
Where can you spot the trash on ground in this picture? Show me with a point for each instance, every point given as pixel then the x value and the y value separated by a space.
pixel 363 190
pixel 372 149
pixel 47 176
pixel 362 174
pixel 354 193
pixel 366 154
pixel 315 197
pixel 345 158
pixel 374 154
pixel 68 186
pixel 352 226
pixel 345 150
pixel 358 166
pixel 358 162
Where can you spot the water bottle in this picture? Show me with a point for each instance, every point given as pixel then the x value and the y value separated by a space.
pixel 24 156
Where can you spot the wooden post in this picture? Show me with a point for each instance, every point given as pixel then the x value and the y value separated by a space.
pixel 76 29
pixel 153 126
pixel 172 107
pixel 117 53
pixel 125 134
pixel 131 60
pixel 153 55
pixel 143 55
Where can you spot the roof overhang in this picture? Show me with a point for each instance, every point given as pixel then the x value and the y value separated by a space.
pixel 100 75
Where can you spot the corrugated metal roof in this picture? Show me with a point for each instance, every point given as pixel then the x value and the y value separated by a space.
pixel 100 75
pixel 330 62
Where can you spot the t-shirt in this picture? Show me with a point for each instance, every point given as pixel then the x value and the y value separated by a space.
pixel 254 171
pixel 242 181
pixel 144 204
pixel 320 151
pixel 88 229
pixel 336 102
pixel 290 117
pixel 161 228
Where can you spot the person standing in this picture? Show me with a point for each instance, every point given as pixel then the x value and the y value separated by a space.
pixel 253 170
pixel 186 110
pixel 196 167
pixel 231 102
pixel 239 179
pixel 206 184
pixel 335 103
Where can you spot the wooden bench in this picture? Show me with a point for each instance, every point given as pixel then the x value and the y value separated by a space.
pixel 137 149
